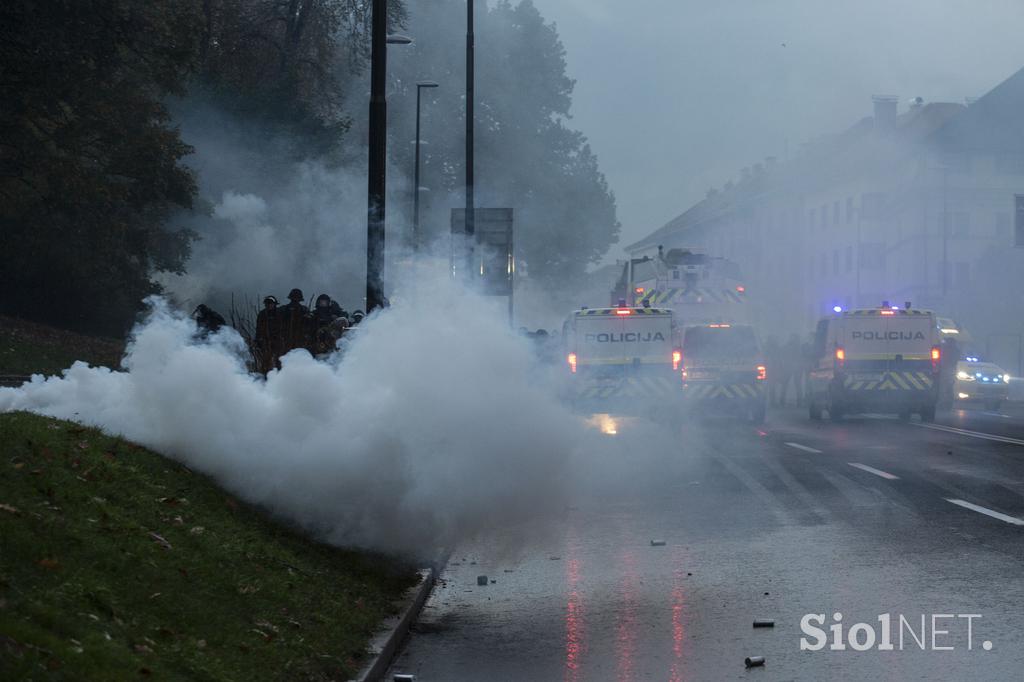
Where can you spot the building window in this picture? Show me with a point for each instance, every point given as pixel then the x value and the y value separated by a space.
pixel 872 256
pixel 810 218
pixel 963 275
pixel 871 205
pixel 956 163
pixel 960 224
pixel 1002 225
pixel 1011 164
pixel 824 215
pixel 835 260
pixel 849 209
pixel 835 213
pixel 849 259
pixel 823 268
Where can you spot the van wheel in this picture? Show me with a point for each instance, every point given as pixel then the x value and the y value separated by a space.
pixel 928 414
pixel 813 411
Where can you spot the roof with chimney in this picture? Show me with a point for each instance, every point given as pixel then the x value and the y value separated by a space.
pixel 991 123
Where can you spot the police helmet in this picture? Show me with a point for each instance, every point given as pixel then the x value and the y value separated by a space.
pixel 296 295
pixel 323 301
pixel 270 299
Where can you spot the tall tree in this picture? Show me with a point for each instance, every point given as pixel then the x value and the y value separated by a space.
pixel 288 63
pixel 89 164
pixel 527 155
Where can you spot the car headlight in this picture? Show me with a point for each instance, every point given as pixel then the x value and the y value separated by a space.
pixel 964 376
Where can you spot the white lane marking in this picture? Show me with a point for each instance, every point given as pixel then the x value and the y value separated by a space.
pixel 804 448
pixel 972 434
pixel 987 512
pixel 872 470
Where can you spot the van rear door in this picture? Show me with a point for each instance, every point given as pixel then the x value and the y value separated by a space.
pixel 881 342
pixel 624 339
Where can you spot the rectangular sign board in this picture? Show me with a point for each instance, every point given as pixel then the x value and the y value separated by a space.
pixel 493 254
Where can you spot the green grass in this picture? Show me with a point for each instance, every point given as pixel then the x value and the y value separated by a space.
pixel 30 348
pixel 118 564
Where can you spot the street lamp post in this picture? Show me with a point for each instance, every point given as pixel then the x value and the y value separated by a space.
pixel 470 230
pixel 945 235
pixel 378 153
pixel 416 172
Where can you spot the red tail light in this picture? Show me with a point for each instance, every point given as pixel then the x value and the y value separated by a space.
pixel 623 311
pixel 572 362
pixel 677 359
pixel 840 357
pixel 762 372
pixel 936 356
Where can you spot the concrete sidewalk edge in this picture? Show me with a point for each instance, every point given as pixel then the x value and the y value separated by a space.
pixel 384 646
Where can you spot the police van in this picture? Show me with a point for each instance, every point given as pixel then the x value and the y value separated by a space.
pixel 724 371
pixel 882 359
pixel 623 360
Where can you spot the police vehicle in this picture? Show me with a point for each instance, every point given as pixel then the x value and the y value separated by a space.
pixel 699 288
pixel 724 371
pixel 882 359
pixel 981 382
pixel 623 360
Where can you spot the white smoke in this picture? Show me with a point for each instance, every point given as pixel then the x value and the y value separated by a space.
pixel 434 424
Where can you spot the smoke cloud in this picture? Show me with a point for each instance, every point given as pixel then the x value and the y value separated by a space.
pixel 434 424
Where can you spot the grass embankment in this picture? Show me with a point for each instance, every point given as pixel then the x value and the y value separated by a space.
pixel 30 348
pixel 116 563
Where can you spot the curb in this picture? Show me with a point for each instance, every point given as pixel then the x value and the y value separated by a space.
pixel 384 645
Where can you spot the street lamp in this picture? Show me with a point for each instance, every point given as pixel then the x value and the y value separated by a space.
pixel 416 173
pixel 378 152
pixel 470 227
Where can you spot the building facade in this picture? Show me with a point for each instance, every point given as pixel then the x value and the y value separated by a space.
pixel 915 206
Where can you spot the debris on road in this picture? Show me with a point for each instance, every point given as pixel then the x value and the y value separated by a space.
pixel 403 677
pixel 481 580
pixel 657 543
pixel 764 623
pixel 754 661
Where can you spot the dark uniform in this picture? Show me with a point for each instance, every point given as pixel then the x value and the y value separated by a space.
pixel 209 321
pixel 269 336
pixel 792 364
pixel 948 358
pixel 296 323
pixel 325 312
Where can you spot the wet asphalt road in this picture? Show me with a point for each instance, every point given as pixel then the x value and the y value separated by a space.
pixel 778 521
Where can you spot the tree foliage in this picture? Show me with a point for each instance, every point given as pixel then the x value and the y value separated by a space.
pixel 288 63
pixel 89 164
pixel 527 155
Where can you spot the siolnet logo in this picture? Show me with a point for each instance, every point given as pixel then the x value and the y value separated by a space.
pixel 933 632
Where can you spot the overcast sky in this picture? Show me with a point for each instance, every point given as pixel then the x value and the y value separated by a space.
pixel 677 95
